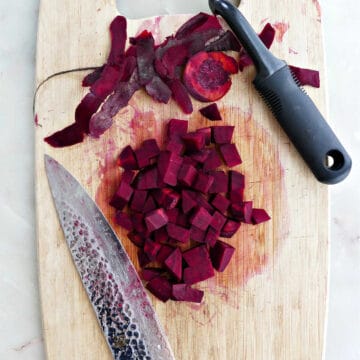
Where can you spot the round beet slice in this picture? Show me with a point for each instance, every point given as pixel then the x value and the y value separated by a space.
pixel 206 75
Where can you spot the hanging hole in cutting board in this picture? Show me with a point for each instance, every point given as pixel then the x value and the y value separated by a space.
pixel 137 9
pixel 334 160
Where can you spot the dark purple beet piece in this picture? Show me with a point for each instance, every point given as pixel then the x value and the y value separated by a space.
pixel 204 202
pixel 212 161
pixel 150 273
pixel 220 202
pixel 220 183
pixel 160 235
pixel 236 196
pixel 211 112
pixel 242 211
pixel 200 267
pixel 160 287
pixel 201 218
pixel 124 220
pixel 230 228
pixel 218 221
pixel 189 161
pixel 230 154
pixel 196 255
pixel 178 233
pixel 138 200
pixel 147 179
pixel 105 85
pixel 236 180
pixel 148 150
pixel 139 223
pixel 211 237
pixel 68 136
pixel 172 215
pixel 175 146
pixel 221 255
pixel 174 263
pixel 171 199
pixel 156 219
pixel 197 234
pixel 88 106
pixel 187 174
pixel 188 201
pixel 145 57
pixel 177 127
pixel 149 205
pixel 194 141
pixel 143 258
pixel 128 176
pixel 90 78
pixel 163 253
pixel 168 167
pixel 306 76
pixel 222 134
pixel 203 182
pixel 173 57
pixel 201 156
pixel 181 96
pixel 118 39
pixel 136 239
pixel 207 132
pixel 227 41
pixel 122 196
pixel 259 215
pixel 151 248
pixel 158 90
pixel 183 220
pixel 183 292
pixel 127 159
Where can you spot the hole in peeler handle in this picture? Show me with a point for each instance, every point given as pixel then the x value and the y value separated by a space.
pixel 334 160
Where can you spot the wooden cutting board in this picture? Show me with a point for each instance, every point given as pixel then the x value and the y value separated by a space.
pixel 271 301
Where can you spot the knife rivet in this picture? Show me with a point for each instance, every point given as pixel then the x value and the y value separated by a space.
pixel 119 341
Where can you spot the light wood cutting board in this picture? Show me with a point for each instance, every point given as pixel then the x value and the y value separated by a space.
pixel 271 301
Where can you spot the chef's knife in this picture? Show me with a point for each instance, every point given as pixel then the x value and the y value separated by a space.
pixel 121 305
pixel 291 106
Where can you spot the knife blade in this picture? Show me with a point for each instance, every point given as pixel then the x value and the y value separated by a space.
pixel 122 307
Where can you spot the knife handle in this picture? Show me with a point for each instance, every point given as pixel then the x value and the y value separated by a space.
pixel 304 125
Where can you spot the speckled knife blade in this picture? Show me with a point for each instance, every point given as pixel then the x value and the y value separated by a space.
pixel 122 307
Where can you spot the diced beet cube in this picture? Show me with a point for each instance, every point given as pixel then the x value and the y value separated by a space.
pixel 143 258
pixel 201 218
pixel 156 219
pixel 122 196
pixel 160 235
pixel 124 220
pixel 236 196
pixel 220 183
pixel 188 201
pixel 171 199
pixel 212 161
pixel 128 176
pixel 196 255
pixel 221 255
pixel 207 133
pixel 139 223
pixel 259 215
pixel 189 161
pixel 160 287
pixel 150 273
pixel 194 141
pixel 203 202
pixel 175 147
pixel 172 215
pixel 236 180
pixel 149 205
pixel 195 274
pixel 230 155
pixel 159 196
pixel 177 127
pixel 183 292
pixel 174 263
pixel 211 112
pixel 178 233
pixel 211 237
pixel 151 249
pixel 138 200
pixel 222 134
pixel 168 167
pixel 127 159
pixel 183 220
pixel 187 174
pixel 147 179
pixel 148 150
pixel 201 155
pixel 181 95
pixel 203 182
pixel 163 253
pixel 242 211
pixel 197 234
pixel 218 221
pixel 136 239
pixel 220 202
pixel 230 228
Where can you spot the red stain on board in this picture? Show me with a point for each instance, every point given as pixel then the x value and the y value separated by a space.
pixel 318 9
pixel 293 51
pixel 36 120
pixel 281 29
pixel 152 25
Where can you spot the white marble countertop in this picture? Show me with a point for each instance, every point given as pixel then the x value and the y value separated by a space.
pixel 20 322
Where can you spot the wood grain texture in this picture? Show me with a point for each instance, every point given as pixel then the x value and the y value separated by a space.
pixel 271 302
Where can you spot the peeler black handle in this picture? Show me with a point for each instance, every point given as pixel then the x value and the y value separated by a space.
pixel 292 107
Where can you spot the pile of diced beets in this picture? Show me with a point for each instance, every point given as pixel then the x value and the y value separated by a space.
pixel 176 203
pixel 188 64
